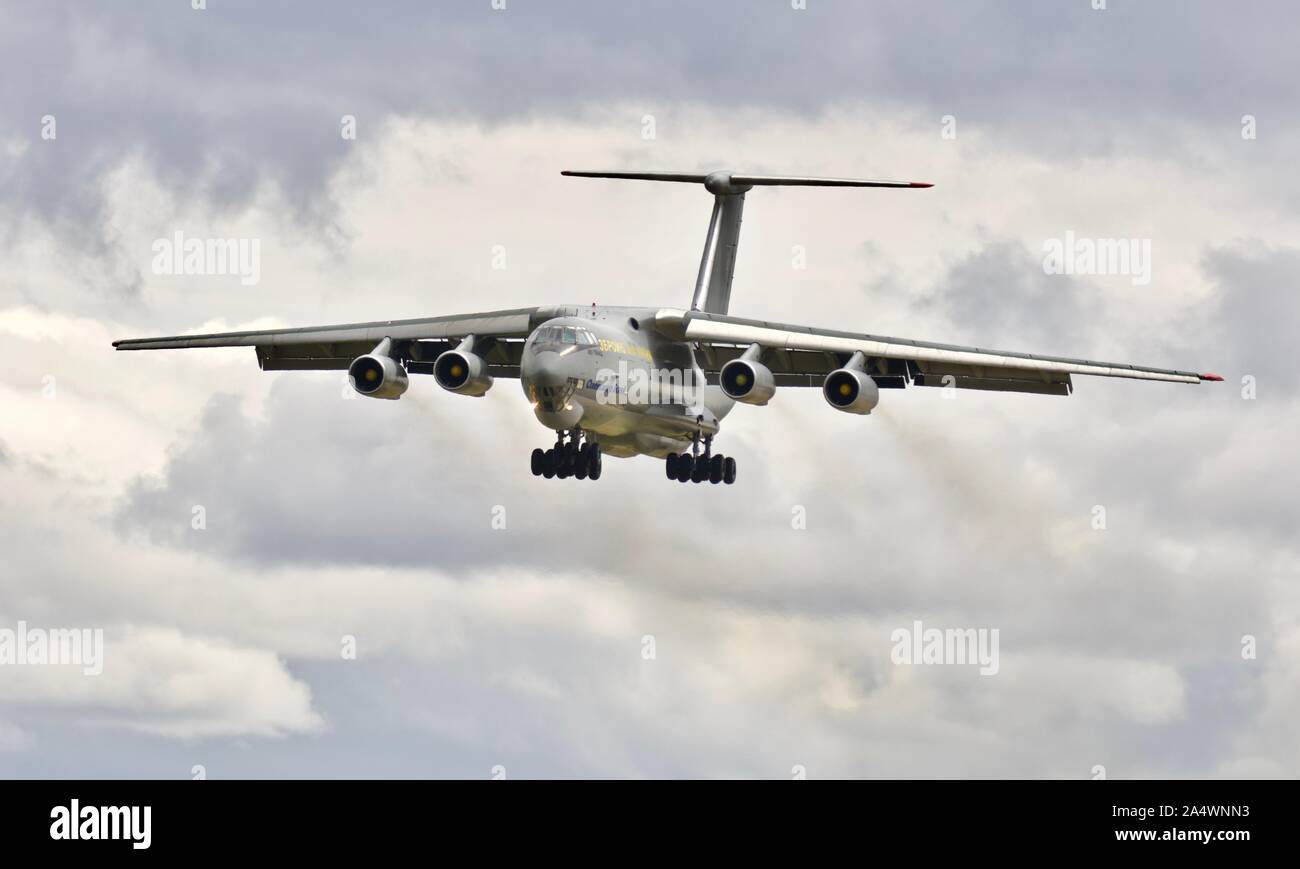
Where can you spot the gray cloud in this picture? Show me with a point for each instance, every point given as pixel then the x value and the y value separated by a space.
pixel 220 99
pixel 1257 307
pixel 1000 297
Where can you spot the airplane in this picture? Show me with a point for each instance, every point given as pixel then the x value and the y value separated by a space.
pixel 654 381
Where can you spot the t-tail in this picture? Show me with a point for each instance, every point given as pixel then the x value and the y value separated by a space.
pixel 718 264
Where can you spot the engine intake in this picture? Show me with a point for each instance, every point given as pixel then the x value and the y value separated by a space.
pixel 851 391
pixel 747 380
pixel 462 372
pixel 377 376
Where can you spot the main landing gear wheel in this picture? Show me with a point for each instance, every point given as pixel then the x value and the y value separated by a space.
pixel 571 458
pixel 686 467
pixel 700 472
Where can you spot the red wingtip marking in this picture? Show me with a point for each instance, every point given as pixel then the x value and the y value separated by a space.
pixel 1214 377
pixel 921 184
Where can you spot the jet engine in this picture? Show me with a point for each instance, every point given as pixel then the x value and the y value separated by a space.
pixel 748 380
pixel 378 376
pixel 851 389
pixel 462 372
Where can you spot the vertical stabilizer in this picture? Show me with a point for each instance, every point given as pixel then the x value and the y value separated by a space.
pixel 718 264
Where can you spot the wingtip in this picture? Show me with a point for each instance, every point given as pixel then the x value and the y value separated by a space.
pixel 1212 377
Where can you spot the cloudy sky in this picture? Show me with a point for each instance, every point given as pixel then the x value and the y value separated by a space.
pixel 1128 542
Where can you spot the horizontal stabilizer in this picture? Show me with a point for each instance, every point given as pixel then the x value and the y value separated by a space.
pixel 736 180
pixel 696 178
pixel 801 181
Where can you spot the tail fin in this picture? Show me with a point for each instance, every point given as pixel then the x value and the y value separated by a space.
pixel 718 264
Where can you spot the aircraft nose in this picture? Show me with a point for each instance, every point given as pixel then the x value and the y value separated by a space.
pixel 544 370
pixel 550 380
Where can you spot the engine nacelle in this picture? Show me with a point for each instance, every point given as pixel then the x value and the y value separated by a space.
pixel 462 372
pixel 376 376
pixel 747 380
pixel 851 391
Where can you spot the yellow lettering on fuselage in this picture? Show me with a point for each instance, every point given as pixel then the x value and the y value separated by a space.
pixel 626 349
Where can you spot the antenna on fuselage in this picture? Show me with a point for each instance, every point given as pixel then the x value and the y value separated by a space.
pixel 718 264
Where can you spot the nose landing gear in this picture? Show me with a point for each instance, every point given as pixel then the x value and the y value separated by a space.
pixel 697 468
pixel 571 458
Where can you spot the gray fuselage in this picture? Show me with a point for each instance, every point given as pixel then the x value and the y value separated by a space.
pixel 629 389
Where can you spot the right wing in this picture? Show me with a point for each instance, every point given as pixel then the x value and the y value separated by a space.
pixel 416 343
pixel 803 356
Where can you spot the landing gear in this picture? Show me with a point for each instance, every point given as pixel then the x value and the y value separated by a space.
pixel 695 467
pixel 568 458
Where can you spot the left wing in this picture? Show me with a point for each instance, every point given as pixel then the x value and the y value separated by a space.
pixel 416 343
pixel 803 356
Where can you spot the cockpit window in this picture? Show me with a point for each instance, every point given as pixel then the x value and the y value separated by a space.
pixel 564 338
pixel 569 337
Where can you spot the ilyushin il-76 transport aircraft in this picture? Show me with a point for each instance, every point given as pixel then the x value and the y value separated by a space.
pixel 655 381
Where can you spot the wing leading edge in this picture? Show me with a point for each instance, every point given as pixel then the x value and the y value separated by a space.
pixel 504 324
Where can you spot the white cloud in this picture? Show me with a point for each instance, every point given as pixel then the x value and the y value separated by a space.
pixel 162 682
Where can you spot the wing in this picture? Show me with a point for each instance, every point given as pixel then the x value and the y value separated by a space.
pixel 803 356
pixel 416 343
